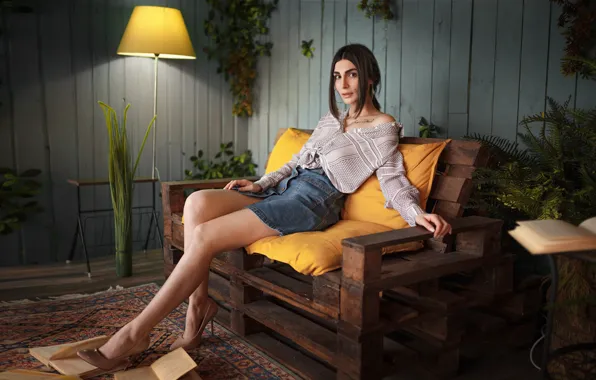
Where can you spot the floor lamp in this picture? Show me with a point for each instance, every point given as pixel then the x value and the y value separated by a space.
pixel 156 32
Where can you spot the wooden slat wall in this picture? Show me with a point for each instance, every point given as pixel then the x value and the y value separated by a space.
pixel 468 66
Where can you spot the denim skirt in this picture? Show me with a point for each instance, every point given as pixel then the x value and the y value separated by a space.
pixel 304 201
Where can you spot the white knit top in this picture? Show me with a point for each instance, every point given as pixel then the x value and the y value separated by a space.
pixel 350 158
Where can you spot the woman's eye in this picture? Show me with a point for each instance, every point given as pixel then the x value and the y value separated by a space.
pixel 336 77
pixel 354 75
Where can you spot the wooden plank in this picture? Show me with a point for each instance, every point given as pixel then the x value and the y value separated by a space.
pixel 462 171
pixel 294 57
pixel 376 241
pixel 440 65
pixel 482 80
pixel 340 24
pixel 507 68
pixel 312 337
pixel 326 52
pixel 279 72
pixel 298 362
pixel 102 200
pixel 314 18
pixel 403 272
pixel 174 116
pixel 448 209
pixel 559 87
pixel 392 73
pixel 359 29
pixel 219 287
pixel 82 66
pixel 534 58
pixel 379 49
pixel 442 300
pixel 189 84
pixel 30 128
pixel 60 97
pixel 452 189
pixel 397 313
pixel 303 64
pixel 291 272
pixel 459 66
pixel 202 74
pixel 409 61
pixel 10 243
pixel 424 61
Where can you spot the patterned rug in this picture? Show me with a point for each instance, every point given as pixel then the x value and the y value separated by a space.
pixel 222 355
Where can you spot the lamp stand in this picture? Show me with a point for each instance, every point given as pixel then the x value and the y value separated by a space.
pixel 154 164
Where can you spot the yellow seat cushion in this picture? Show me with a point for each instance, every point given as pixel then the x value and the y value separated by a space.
pixel 317 252
pixel 289 143
pixel 368 202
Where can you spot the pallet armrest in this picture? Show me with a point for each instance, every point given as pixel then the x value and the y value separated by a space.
pixel 173 191
pixel 379 240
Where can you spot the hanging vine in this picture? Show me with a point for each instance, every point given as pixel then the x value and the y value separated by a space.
pixel 234 27
pixel 578 17
pixel 376 8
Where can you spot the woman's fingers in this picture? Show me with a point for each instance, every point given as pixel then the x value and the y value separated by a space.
pixel 230 185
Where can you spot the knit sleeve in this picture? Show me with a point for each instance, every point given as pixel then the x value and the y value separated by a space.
pixel 399 193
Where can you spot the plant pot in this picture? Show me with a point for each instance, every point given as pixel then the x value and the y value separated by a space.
pixel 124 251
pixel 123 264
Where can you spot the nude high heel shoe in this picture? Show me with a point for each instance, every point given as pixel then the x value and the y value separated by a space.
pixel 195 341
pixel 96 358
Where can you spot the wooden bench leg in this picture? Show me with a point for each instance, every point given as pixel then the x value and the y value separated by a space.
pixel 359 337
pixel 171 256
pixel 242 294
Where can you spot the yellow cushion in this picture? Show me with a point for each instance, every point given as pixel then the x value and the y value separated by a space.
pixel 368 202
pixel 317 252
pixel 290 143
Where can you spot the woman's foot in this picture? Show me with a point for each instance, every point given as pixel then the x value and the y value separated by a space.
pixel 117 353
pixel 114 362
pixel 196 321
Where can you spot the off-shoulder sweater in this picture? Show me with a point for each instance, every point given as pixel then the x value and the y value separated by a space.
pixel 350 158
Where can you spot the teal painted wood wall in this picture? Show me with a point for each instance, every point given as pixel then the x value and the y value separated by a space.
pixel 469 66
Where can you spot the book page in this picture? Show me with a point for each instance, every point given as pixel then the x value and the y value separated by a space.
pixel 141 373
pixel 552 230
pixel 74 366
pixel 173 365
pixel 69 350
pixel 589 224
pixel 25 374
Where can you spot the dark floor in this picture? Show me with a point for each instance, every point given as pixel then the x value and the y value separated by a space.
pixel 483 361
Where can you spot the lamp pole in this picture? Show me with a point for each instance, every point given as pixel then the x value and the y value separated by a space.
pixel 154 167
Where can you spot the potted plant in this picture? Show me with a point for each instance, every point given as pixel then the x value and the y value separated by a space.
pixel 121 174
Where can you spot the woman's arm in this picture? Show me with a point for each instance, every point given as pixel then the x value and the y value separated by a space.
pixel 273 178
pixel 399 193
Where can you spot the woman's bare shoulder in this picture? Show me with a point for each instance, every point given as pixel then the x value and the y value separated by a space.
pixel 384 118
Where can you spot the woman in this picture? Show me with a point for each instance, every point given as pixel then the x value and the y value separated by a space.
pixel 306 194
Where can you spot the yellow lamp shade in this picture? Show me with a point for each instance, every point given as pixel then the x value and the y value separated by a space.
pixel 155 31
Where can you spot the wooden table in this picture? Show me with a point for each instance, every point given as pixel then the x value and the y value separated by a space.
pixel 79 230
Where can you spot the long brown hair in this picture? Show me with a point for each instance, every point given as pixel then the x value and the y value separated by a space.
pixel 368 69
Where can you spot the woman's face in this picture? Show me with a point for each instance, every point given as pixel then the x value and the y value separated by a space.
pixel 346 81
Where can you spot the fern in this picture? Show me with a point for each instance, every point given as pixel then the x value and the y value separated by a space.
pixel 553 177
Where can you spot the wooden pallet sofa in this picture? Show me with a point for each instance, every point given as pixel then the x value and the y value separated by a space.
pixel 385 307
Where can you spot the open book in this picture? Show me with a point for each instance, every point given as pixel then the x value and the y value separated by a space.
pixel 172 366
pixel 27 374
pixel 554 236
pixel 63 357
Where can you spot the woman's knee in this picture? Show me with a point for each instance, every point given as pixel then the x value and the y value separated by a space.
pixel 203 239
pixel 196 203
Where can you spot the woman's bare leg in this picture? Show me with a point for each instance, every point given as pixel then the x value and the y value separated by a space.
pixel 200 207
pixel 224 233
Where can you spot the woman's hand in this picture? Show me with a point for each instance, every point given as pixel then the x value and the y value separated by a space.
pixel 243 185
pixel 434 223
